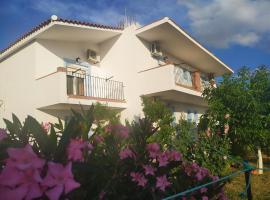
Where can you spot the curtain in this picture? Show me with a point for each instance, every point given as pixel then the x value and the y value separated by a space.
pixel 182 76
pixel 75 85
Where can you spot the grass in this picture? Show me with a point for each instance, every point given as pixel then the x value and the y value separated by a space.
pixel 260 186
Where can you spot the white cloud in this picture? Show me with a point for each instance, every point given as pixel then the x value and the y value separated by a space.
pixel 220 23
pixel 82 11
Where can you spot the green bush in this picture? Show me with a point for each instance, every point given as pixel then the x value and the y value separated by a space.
pixel 187 138
pixel 112 161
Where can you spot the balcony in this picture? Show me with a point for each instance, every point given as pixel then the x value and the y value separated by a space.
pixel 194 80
pixel 81 85
pixel 174 83
pixel 62 90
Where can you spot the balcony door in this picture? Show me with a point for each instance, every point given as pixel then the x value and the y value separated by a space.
pixel 75 84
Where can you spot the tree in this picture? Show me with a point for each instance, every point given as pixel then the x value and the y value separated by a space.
pixel 242 103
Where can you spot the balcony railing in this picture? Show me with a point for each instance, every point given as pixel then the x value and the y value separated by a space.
pixel 80 84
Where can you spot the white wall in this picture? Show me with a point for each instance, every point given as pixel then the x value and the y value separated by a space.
pixel 125 57
pixel 122 56
pixel 17 84
pixel 50 54
pixel 127 54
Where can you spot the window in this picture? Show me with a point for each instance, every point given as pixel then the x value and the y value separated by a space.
pixel 196 117
pixel 190 116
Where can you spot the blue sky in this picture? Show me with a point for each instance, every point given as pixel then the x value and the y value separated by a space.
pixel 237 31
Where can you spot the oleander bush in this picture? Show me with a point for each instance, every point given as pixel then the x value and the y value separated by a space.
pixel 94 156
pixel 209 149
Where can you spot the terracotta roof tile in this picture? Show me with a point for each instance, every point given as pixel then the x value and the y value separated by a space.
pixel 47 22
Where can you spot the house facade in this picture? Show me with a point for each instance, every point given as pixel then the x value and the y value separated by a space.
pixel 62 64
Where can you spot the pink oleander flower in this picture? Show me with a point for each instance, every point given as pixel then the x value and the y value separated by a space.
pixel 163 159
pixel 3 134
pixel 76 147
pixel 101 195
pixel 201 173
pixel 119 130
pixel 153 149
pixel 175 155
pixel 214 178
pixel 59 179
pixel 98 139
pixel 149 170
pixel 26 184
pixel 46 126
pixel 138 178
pixel 162 183
pixel 203 190
pixel 7 193
pixel 204 198
pixel 10 176
pixel 24 158
pixel 126 153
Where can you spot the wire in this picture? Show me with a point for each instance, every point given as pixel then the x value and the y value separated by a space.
pixel 208 184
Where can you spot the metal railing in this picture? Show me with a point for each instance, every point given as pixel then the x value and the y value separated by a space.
pixel 80 84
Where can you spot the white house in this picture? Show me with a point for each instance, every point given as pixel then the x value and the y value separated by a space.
pixel 61 64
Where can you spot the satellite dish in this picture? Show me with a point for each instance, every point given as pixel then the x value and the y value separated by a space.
pixel 54 17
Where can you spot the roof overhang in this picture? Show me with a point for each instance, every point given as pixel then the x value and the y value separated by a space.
pixel 59 30
pixel 78 33
pixel 179 44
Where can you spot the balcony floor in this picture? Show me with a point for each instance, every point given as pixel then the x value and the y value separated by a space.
pixel 181 97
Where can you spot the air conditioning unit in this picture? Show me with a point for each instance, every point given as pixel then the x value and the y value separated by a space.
pixel 92 56
pixel 156 50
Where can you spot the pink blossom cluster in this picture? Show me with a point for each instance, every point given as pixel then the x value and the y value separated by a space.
pixel 163 157
pixel 126 153
pixel 198 174
pixel 155 153
pixel 149 170
pixel 46 126
pixel 76 148
pixel 139 178
pixel 21 177
pixel 194 170
pixel 161 181
pixel 118 129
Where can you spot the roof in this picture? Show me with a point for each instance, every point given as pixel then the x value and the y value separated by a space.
pixel 182 44
pixel 48 22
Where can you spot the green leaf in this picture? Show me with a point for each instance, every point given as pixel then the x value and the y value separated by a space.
pixel 71 131
pixel 11 129
pixel 39 134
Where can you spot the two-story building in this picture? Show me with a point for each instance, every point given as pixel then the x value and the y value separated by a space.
pixel 61 64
